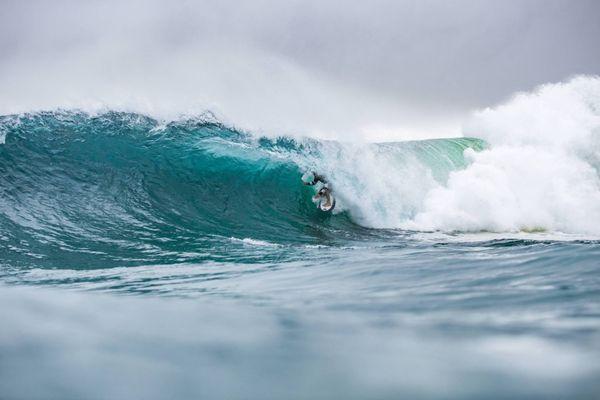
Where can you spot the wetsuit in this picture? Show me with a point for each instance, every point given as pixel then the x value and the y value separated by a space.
pixel 323 193
pixel 317 178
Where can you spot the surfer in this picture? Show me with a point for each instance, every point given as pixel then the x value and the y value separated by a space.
pixel 312 178
pixel 324 198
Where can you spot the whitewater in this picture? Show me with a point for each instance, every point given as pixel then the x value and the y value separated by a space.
pixel 185 254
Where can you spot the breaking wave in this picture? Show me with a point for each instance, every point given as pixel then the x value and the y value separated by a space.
pixel 89 189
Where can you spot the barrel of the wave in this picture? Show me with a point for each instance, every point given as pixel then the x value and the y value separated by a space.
pixel 120 189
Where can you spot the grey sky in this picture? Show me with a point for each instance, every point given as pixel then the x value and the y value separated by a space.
pixel 305 66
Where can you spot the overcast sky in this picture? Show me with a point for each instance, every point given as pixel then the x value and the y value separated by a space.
pixel 381 69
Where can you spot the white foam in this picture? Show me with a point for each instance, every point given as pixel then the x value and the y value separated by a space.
pixel 539 174
pixel 254 242
pixel 380 189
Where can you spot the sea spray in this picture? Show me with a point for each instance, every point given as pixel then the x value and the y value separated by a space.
pixel 539 173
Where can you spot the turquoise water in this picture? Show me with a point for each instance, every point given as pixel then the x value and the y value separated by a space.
pixel 147 259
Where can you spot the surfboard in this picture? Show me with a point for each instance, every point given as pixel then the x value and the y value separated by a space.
pixel 327 207
pixel 322 204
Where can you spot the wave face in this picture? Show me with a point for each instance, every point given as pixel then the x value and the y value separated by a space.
pixel 123 188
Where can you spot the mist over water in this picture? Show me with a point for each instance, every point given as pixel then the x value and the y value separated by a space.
pixel 389 70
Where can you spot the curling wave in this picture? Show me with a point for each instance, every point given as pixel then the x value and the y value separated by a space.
pixel 97 190
pixel 82 190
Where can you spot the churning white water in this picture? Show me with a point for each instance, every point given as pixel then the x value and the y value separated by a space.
pixel 539 171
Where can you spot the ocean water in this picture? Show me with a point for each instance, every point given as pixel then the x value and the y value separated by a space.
pixel 143 258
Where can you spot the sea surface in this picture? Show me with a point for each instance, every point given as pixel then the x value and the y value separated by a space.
pixel 143 258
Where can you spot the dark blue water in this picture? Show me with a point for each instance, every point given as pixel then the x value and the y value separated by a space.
pixel 143 259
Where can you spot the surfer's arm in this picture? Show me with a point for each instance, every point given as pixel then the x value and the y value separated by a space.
pixel 315 179
pixel 319 178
